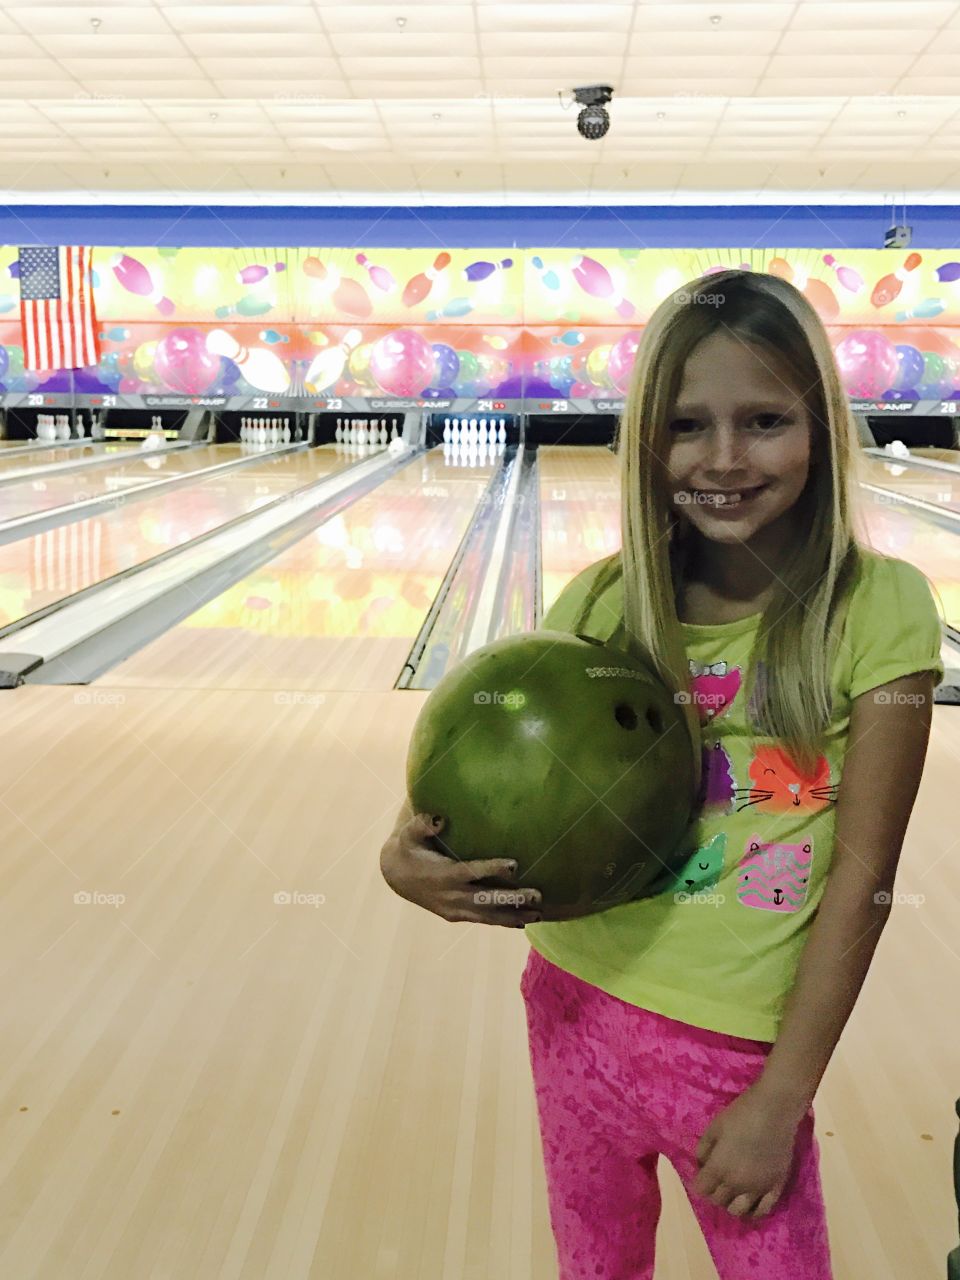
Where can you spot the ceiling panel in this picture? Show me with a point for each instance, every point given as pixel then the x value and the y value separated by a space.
pixel 472 99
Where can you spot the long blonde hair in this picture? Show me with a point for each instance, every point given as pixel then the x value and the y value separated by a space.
pixel 799 631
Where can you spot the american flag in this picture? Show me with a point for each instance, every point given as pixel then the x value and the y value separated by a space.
pixel 57 314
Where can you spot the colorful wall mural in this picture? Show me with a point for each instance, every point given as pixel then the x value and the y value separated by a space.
pixel 459 325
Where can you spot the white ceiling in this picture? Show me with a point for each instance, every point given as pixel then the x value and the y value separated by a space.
pixel 232 103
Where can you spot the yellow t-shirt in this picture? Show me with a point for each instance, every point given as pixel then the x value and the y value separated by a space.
pixel 719 945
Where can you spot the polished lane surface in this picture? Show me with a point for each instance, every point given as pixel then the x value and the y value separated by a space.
pixel 38 570
pixel 340 609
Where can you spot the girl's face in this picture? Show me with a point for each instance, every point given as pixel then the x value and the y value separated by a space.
pixel 740 439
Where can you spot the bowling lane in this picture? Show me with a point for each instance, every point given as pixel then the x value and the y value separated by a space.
pixel 130 470
pixel 580 523
pixel 932 547
pixel 950 456
pixel 340 610
pixel 941 488
pixel 43 568
pixel 21 459
pixel 579 511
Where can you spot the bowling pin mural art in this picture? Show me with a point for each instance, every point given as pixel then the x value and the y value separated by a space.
pixel 260 366
pixel 537 323
pixel 136 278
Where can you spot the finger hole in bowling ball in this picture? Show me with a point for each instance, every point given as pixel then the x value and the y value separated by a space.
pixel 625 716
pixel 654 720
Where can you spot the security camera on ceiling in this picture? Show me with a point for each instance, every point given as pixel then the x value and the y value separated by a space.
pixel 594 120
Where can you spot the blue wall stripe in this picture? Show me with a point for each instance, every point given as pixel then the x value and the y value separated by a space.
pixel 682 226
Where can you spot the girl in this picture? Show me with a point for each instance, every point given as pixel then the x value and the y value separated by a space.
pixel 698 1022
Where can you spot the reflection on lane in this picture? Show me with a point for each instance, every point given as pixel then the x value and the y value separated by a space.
pixel 941 488
pixel 45 456
pixel 47 566
pixel 340 609
pixel 579 512
pixel 43 493
pixel 952 456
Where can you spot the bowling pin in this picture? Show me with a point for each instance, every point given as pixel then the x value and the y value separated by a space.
pixel 848 277
pixel 286 431
pixel 380 276
pixel 328 365
pixel 393 431
pixel 260 367
pixel 455 432
pixel 501 433
pixel 419 286
pixel 548 277
pixel 483 431
pixel 887 289
pixel 594 278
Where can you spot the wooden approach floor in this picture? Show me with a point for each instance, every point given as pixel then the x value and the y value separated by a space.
pixel 204 1082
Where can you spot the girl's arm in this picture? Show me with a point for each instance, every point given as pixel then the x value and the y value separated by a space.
pixel 887 744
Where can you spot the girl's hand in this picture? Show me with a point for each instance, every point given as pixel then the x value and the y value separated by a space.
pixel 478 892
pixel 746 1153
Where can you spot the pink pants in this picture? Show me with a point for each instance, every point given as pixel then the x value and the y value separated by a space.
pixel 616 1087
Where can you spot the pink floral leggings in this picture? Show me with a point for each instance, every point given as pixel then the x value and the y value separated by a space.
pixel 617 1086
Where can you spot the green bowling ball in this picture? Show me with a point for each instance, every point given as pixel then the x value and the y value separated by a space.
pixel 564 754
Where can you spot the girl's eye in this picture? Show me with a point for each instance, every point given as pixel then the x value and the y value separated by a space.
pixel 766 421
